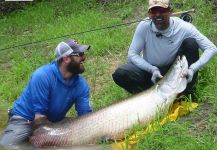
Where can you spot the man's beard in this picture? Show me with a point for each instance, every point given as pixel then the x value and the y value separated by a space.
pixel 75 68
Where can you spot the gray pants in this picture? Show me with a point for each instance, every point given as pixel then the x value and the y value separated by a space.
pixel 17 131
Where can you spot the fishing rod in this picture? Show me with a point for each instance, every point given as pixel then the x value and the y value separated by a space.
pixel 184 15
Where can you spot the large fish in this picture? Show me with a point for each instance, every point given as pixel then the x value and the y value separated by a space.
pixel 112 121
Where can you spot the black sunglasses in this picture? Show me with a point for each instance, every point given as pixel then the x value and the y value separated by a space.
pixel 160 10
pixel 77 54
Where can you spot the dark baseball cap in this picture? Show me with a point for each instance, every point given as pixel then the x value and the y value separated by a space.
pixel 69 47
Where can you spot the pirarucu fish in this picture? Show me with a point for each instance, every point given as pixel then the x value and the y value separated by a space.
pixel 113 120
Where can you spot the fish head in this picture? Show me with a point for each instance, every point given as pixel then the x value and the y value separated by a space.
pixel 174 81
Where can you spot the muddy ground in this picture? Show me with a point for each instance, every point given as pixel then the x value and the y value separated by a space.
pixel 203 118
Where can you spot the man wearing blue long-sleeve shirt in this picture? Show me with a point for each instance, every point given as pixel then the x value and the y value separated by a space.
pixel 51 92
pixel 160 39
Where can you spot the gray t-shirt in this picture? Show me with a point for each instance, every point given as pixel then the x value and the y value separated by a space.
pixel 161 50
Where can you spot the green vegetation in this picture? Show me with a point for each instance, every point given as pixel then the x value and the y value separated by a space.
pixel 50 19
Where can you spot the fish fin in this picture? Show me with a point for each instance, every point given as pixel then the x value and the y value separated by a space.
pixel 106 139
pixel 42 129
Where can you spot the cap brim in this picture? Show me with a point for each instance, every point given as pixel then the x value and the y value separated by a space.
pixel 158 5
pixel 83 48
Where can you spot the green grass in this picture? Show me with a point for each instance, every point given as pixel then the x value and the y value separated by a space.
pixel 50 19
pixel 47 20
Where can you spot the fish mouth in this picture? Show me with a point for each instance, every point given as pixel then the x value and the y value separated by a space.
pixel 183 62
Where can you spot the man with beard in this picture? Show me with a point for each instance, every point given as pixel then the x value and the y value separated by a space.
pixel 51 92
pixel 157 41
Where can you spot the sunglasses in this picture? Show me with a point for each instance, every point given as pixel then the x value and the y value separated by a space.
pixel 160 10
pixel 77 54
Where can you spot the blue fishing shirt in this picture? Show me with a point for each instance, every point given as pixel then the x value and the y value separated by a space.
pixel 48 94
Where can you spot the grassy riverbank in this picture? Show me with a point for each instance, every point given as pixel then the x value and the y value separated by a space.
pixel 50 19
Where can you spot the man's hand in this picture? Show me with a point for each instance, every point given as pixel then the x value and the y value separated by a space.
pixel 40 120
pixel 156 75
pixel 189 75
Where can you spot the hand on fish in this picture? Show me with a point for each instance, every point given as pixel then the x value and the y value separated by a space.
pixel 38 123
pixel 156 75
pixel 189 74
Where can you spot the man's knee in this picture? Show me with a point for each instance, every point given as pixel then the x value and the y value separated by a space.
pixel 12 138
pixel 119 75
pixel 17 131
pixel 190 43
pixel 190 49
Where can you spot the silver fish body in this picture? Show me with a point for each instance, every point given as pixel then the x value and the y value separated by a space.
pixel 112 121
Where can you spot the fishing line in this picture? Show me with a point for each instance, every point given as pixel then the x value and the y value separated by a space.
pixel 184 15
pixel 67 35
